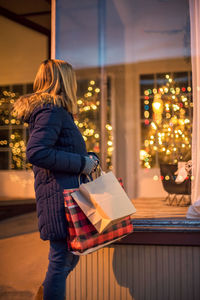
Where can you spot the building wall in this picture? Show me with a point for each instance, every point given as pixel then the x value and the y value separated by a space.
pixel 22 49
pixel 130 272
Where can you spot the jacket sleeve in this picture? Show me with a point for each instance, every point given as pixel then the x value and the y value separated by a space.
pixel 41 149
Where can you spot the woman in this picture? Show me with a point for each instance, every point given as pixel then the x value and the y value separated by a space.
pixel 58 154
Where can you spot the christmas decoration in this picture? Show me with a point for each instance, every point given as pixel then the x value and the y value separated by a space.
pixel 168 133
pixel 88 119
pixel 14 133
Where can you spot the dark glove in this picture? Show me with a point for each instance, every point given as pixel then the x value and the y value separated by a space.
pixel 94 156
pixel 90 165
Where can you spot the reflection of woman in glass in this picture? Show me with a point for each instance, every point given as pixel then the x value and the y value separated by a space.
pixel 58 154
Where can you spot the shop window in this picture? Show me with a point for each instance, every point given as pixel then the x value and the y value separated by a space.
pixel 89 120
pixel 166 118
pixel 13 133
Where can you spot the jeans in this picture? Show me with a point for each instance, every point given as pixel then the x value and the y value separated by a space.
pixel 61 263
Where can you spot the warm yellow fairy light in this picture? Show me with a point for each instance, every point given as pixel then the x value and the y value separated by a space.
pixel 168 152
pixel 143 154
pixel 167 76
pixel 167 177
pixel 79 102
pixel 96 135
pixel 146 93
pixel 110 149
pixel 167 106
pixel 181 121
pixel 92 82
pixel 187 121
pixel 80 125
pixel 89 94
pixel 109 143
pixel 170 80
pixel 94 107
pixel 174 149
pixel 146 114
pixel 86 108
pixel 90 88
pixel 155 91
pixel 183 145
pixel 109 127
pixel 97 90
pixel 146 102
pixel 163 148
pixel 151 142
pixel 155 177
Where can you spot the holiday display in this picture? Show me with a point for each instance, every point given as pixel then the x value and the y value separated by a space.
pixel 14 134
pixel 88 119
pixel 167 130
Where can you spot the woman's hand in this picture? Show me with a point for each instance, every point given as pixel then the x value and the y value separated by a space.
pixel 90 165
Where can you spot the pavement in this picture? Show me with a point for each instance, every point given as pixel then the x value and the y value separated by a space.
pixel 23 257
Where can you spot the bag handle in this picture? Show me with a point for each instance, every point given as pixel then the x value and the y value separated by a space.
pixel 89 178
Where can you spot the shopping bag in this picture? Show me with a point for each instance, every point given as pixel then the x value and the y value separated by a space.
pixel 83 238
pixel 104 201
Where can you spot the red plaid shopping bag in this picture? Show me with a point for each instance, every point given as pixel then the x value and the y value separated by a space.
pixel 82 235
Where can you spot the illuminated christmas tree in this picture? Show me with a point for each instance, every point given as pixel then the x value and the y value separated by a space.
pixel 169 133
pixel 88 120
pixel 13 132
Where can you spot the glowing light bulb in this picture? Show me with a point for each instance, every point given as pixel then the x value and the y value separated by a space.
pixel 79 102
pixel 155 177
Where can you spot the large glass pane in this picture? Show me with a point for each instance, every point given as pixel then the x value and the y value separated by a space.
pixel 138 55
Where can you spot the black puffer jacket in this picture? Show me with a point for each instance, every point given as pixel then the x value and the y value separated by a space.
pixel 56 149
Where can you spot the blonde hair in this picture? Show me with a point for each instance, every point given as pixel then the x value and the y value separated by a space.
pixel 55 83
pixel 57 78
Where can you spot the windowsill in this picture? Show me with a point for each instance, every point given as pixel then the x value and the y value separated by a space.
pixel 166 225
pixel 164 232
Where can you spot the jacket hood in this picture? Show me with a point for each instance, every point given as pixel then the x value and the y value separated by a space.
pixel 26 104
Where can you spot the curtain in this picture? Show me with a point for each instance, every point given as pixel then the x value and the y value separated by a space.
pixel 194 209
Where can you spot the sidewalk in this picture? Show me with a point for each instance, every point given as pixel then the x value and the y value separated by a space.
pixel 23 257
